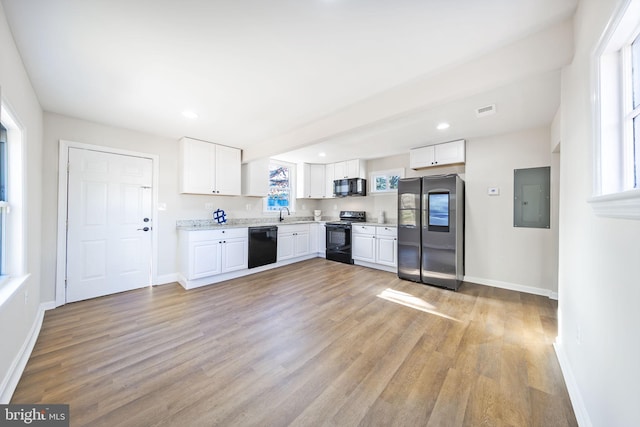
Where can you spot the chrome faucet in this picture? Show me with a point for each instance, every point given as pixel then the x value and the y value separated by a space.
pixel 288 212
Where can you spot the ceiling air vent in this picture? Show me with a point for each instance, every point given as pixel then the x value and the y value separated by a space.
pixel 486 110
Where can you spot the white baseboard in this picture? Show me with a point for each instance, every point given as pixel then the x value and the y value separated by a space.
pixel 579 408
pixel 165 279
pixel 512 286
pixel 375 266
pixel 10 382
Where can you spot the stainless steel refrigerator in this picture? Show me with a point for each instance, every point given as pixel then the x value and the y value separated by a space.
pixel 431 230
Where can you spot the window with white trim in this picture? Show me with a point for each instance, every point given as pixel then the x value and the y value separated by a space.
pixel 617 115
pixel 633 118
pixel 3 195
pixel 12 242
pixel 281 192
pixel 385 181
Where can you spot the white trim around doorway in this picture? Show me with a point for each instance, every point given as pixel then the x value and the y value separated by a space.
pixel 61 248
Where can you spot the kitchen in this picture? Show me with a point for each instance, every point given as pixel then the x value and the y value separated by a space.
pixel 521 267
pixel 565 262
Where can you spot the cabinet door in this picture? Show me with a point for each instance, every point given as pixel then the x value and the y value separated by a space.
pixel 387 251
pixel 421 157
pixel 363 247
pixel 313 238
pixel 316 181
pixel 353 169
pixel 329 173
pixel 285 246
pixel 322 239
pixel 255 178
pixel 340 170
pixel 235 254
pixel 204 259
pixel 301 244
pixel 451 152
pixel 197 171
pixel 227 170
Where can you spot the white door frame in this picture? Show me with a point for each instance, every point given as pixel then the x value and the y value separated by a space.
pixel 63 160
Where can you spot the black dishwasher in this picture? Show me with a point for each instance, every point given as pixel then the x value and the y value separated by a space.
pixel 263 245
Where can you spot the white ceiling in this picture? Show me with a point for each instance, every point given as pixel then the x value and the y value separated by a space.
pixel 275 76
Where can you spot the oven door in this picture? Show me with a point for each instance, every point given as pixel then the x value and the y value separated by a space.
pixel 339 243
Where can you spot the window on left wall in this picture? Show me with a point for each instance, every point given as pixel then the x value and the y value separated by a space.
pixel 11 202
pixel 3 195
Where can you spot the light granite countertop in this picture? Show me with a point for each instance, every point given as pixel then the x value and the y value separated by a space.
pixel 207 224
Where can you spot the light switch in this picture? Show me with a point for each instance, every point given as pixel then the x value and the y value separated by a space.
pixel 208 206
pixel 493 191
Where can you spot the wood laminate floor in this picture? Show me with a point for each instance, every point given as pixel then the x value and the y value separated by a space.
pixel 314 343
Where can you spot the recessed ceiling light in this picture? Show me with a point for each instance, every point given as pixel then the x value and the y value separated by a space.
pixel 322 154
pixel 443 126
pixel 190 114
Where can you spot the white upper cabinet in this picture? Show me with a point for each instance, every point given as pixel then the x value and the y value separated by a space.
pixel 437 155
pixel 350 169
pixel 207 168
pixel 255 178
pixel 311 181
pixel 340 170
pixel 228 170
pixel 329 172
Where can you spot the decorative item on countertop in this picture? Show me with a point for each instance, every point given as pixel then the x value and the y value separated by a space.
pixel 219 216
pixel 381 217
pixel 317 215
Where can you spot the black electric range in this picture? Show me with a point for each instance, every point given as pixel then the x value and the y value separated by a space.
pixel 339 236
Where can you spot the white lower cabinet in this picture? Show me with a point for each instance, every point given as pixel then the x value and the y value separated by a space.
pixel 211 252
pixel 211 256
pixel 363 243
pixel 204 259
pixel 293 241
pixel 318 238
pixel 376 246
pixel 387 246
pixel 235 254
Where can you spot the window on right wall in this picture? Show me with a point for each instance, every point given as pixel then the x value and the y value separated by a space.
pixel 617 116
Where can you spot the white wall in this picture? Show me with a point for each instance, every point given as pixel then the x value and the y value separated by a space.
pixel 372 204
pixel 17 316
pixel 179 206
pixel 496 253
pixel 599 274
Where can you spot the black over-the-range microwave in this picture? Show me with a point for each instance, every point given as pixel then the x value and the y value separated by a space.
pixel 350 187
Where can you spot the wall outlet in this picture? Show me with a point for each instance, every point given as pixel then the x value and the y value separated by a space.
pixel 208 206
pixel 493 191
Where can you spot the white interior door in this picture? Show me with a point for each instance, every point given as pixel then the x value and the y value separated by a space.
pixel 109 223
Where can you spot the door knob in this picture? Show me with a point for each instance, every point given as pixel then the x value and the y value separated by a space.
pixel 143 229
pixel 146 219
